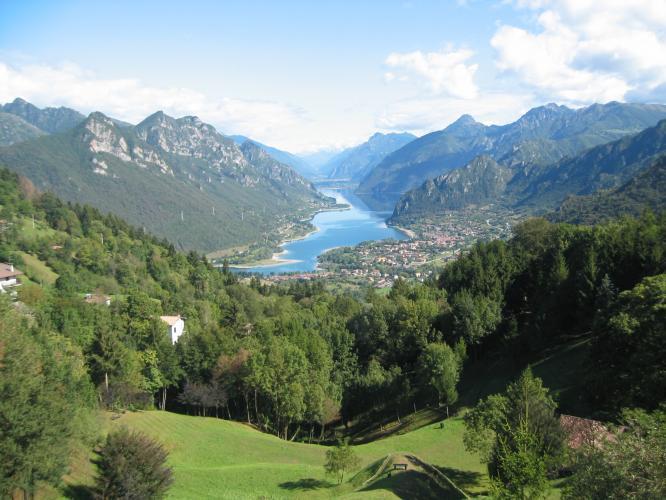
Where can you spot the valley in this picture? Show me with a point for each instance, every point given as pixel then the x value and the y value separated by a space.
pixel 187 314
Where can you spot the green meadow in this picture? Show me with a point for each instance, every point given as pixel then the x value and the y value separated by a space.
pixel 214 458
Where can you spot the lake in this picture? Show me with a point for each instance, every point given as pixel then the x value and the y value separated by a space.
pixel 336 228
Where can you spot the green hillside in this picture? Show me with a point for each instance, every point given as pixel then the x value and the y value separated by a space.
pixel 215 458
pixel 647 190
pixel 184 182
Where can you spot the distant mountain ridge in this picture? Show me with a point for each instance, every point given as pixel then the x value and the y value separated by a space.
pixel 179 178
pixel 542 136
pixel 539 188
pixel 297 163
pixel 49 120
pixel 356 162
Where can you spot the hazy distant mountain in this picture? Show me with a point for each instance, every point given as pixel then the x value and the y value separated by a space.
pixel 539 188
pixel 15 129
pixel 295 162
pixel 318 161
pixel 646 190
pixel 355 163
pixel 540 137
pixel 50 120
pixel 178 178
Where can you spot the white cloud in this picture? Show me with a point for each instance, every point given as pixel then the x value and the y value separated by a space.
pixel 586 50
pixel 129 99
pixel 444 72
pixel 421 116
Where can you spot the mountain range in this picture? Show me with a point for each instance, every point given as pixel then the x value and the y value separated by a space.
pixel 178 178
pixel 540 188
pixel 355 163
pixel 542 136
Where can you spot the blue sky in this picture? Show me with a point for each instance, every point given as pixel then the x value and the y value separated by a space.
pixel 309 75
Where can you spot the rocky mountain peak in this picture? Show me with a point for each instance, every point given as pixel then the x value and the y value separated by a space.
pixel 465 124
pixel 190 137
pixel 51 120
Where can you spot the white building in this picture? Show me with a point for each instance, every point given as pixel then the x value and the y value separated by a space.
pixel 8 277
pixel 176 326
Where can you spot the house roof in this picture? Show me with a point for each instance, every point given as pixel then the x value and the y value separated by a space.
pixel 95 298
pixel 582 431
pixel 170 320
pixel 8 271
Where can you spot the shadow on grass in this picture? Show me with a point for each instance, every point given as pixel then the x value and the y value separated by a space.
pixel 306 484
pixel 78 492
pixel 464 479
pixel 412 484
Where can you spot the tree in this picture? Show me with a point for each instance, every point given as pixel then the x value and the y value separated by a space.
pixel 340 459
pixel 45 402
pixel 474 317
pixel 132 466
pixel 629 349
pixel 518 435
pixel 521 469
pixel 440 369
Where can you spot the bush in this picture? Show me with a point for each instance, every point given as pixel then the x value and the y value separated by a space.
pixel 132 466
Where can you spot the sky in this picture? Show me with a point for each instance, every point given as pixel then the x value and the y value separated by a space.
pixel 317 75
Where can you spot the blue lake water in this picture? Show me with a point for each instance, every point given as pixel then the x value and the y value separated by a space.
pixel 335 229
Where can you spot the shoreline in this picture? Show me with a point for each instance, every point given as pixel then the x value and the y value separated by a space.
pixel 410 234
pixel 275 259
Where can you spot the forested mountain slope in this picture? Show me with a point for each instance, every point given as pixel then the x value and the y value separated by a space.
pixel 646 190
pixel 542 136
pixel 178 178
pixel 539 188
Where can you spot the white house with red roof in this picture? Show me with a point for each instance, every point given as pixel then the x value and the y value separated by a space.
pixel 175 326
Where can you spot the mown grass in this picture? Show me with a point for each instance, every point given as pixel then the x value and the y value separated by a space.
pixel 214 458
pixel 37 270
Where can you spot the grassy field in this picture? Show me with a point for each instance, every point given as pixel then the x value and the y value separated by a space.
pixel 215 458
pixel 37 270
